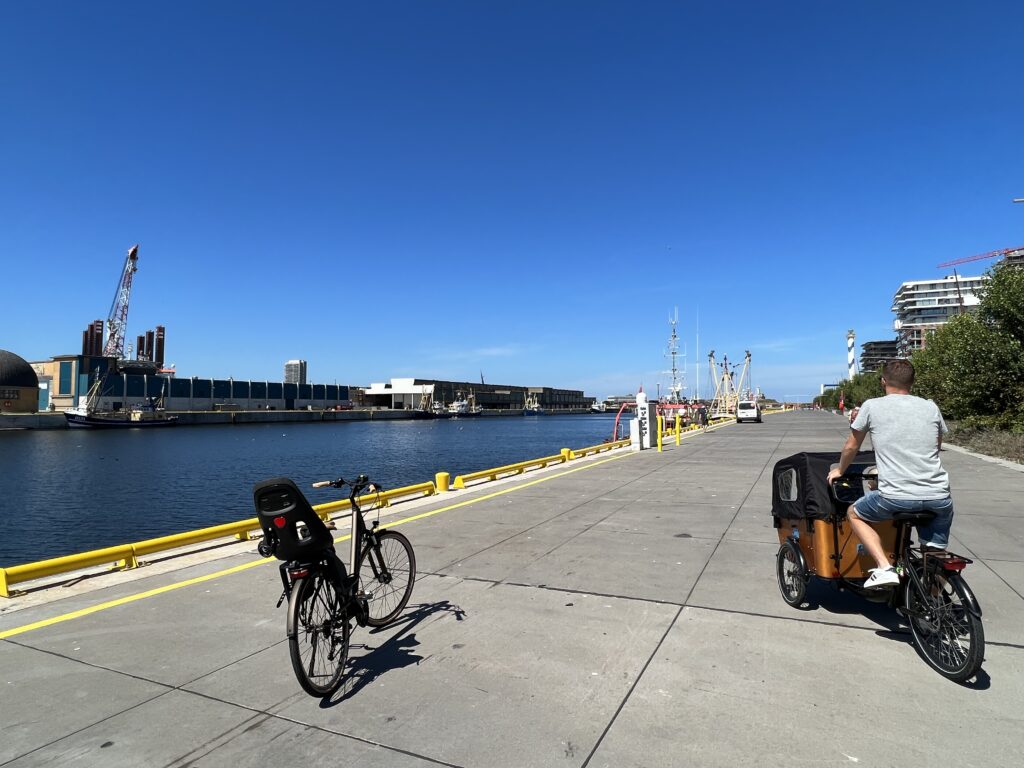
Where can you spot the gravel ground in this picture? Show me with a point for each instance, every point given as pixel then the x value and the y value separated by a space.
pixel 1005 445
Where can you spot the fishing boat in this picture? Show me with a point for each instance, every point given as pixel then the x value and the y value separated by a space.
pixel 142 415
pixel 532 407
pixel 464 406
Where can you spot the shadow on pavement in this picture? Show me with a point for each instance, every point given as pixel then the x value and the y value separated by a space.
pixel 396 652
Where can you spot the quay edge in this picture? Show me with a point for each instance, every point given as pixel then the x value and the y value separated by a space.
pixel 56 420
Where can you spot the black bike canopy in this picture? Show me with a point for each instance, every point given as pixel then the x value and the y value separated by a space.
pixel 800 484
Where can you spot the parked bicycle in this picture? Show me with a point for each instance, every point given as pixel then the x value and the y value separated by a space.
pixel 817 540
pixel 323 597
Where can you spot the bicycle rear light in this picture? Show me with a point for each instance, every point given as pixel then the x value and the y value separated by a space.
pixel 299 573
pixel 955 563
pixel 280 521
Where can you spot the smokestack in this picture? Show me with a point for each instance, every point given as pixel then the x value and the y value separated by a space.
pixel 851 359
pixel 140 348
pixel 160 332
pixel 86 340
pixel 97 338
pixel 149 345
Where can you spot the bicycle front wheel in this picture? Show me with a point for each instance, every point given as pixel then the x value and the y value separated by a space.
pixel 792 575
pixel 947 634
pixel 387 572
pixel 319 639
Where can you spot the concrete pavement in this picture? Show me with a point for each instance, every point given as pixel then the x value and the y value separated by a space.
pixel 623 612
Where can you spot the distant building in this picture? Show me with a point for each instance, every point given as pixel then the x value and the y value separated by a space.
pixel 924 305
pixel 875 354
pixel 413 393
pixel 295 372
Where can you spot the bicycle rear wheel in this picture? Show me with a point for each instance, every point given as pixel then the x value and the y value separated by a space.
pixel 318 642
pixel 387 573
pixel 948 635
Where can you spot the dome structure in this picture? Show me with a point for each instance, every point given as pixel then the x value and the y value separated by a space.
pixel 16 372
pixel 19 385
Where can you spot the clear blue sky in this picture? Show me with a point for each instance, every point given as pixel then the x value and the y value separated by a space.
pixel 523 189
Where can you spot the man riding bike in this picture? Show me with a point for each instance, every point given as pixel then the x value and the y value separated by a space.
pixel 906 432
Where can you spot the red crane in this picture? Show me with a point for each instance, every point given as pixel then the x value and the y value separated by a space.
pixel 118 318
pixel 990 255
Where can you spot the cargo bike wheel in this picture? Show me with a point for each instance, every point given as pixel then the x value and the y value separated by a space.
pixel 944 621
pixel 791 570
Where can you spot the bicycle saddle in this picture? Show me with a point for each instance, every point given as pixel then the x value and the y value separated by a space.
pixel 914 518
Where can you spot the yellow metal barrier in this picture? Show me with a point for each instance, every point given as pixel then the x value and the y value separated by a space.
pixel 64 564
pixel 511 469
pixel 579 453
pixel 126 555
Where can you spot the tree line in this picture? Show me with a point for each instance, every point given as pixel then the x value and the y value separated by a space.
pixel 972 367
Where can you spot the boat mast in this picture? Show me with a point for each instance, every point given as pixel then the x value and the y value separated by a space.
pixel 673 351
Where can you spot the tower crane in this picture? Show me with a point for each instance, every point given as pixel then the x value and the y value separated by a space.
pixel 1018 251
pixel 118 318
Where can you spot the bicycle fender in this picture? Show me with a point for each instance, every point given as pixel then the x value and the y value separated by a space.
pixel 971 600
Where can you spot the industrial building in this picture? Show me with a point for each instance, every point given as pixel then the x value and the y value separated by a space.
pixel 71 376
pixel 415 393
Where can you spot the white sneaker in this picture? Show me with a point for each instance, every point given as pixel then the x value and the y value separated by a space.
pixel 882 577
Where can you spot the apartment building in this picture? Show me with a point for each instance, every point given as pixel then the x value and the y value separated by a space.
pixel 924 305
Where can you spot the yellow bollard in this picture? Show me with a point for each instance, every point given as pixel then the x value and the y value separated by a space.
pixel 441 480
pixel 566 454
pixel 661 430
pixel 679 421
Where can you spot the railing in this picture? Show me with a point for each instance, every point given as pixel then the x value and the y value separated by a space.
pixel 127 556
pixel 511 469
pixel 579 453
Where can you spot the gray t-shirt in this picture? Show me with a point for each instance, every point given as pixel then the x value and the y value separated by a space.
pixel 905 434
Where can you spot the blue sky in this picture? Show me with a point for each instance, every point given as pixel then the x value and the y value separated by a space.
pixel 523 189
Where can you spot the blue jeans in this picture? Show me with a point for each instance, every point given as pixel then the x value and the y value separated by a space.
pixel 875 508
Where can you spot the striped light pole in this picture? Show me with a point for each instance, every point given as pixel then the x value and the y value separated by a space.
pixel 851 360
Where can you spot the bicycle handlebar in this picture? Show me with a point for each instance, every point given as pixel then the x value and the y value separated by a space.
pixel 357 486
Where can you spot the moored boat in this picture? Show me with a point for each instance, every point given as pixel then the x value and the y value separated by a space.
pixel 79 418
pixel 89 415
pixel 532 407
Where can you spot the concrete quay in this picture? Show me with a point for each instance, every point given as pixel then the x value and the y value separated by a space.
pixel 618 611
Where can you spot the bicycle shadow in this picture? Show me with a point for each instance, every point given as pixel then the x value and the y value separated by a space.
pixel 396 652
pixel 827 597
pixel 892 626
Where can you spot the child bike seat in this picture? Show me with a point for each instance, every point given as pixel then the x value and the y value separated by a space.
pixel 287 518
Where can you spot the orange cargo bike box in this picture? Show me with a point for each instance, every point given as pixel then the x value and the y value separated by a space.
pixel 806 511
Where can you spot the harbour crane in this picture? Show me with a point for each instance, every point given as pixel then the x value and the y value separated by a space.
pixel 118 318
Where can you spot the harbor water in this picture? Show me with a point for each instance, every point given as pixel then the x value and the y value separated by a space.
pixel 68 491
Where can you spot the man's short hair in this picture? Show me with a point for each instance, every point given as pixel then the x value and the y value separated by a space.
pixel 899 373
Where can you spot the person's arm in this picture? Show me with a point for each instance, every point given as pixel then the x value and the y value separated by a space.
pixel 853 444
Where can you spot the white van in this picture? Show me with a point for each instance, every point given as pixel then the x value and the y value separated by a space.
pixel 748 410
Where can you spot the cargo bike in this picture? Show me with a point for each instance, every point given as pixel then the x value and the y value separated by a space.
pixel 817 541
